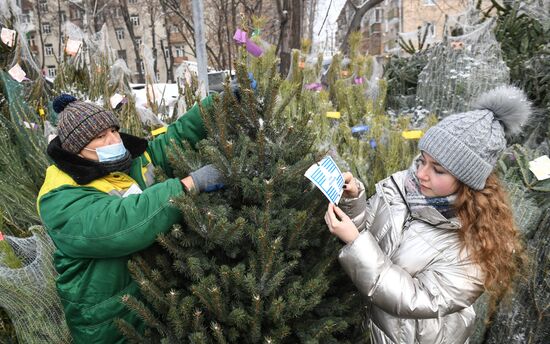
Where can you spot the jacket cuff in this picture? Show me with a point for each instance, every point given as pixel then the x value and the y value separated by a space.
pixel 353 207
pixel 364 262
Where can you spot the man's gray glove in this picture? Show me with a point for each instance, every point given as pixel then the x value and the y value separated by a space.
pixel 207 179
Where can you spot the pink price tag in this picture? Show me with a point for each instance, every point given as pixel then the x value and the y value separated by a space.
pixel 240 36
pixel 1 236
pixel 253 48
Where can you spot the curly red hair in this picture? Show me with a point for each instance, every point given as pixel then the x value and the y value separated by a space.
pixel 490 235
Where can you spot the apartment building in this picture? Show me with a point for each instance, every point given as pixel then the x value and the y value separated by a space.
pixel 45 23
pixel 382 25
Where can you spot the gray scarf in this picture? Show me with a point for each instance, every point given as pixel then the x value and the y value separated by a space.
pixel 121 165
pixel 416 200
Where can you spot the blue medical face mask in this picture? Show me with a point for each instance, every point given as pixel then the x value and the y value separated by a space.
pixel 110 153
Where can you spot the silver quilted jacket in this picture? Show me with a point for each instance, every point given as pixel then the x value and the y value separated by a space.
pixel 418 284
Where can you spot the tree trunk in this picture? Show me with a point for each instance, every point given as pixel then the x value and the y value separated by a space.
pixel 290 30
pixel 355 23
pixel 152 13
pixel 39 15
pixel 170 61
pixel 130 27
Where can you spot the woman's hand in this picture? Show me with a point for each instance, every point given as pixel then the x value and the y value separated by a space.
pixel 351 190
pixel 340 224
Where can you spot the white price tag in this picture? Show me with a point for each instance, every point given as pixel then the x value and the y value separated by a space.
pixel 17 73
pixel 327 177
pixel 133 190
pixel 540 167
pixel 115 100
pixel 8 36
pixel 72 47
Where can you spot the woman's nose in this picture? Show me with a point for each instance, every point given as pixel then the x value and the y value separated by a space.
pixel 420 172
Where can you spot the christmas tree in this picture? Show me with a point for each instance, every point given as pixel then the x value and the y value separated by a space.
pixel 254 262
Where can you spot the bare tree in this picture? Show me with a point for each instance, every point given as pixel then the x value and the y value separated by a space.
pixel 355 24
pixel 130 27
pixel 290 30
pixel 39 15
pixel 153 15
pixel 168 60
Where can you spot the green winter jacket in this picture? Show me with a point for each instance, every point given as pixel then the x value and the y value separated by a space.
pixel 96 226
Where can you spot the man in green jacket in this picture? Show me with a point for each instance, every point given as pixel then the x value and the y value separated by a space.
pixel 99 206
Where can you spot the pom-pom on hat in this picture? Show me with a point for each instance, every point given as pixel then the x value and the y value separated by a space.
pixel 469 144
pixel 80 122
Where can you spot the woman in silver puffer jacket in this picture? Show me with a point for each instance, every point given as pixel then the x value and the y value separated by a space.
pixel 433 238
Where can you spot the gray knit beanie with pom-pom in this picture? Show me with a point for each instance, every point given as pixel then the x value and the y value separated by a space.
pixel 469 144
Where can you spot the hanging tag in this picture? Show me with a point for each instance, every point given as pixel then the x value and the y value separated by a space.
pixel 17 73
pixel 72 47
pixel 30 125
pixel 253 48
pixel 412 134
pixel 1 236
pixel 133 190
pixel 115 100
pixel 358 80
pixel 315 86
pixel 159 131
pixel 8 36
pixel 540 167
pixel 42 113
pixel 240 36
pixel 372 143
pixel 333 114
pixel 327 177
pixel 359 128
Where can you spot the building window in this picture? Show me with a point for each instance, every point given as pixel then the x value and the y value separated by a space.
pixel 429 2
pixel 121 54
pixel 431 29
pixel 119 33
pixel 117 12
pixel 134 18
pixel 48 50
pixel 62 16
pixel 378 15
pixel 25 18
pixel 46 28
pixel 166 52
pixel 30 40
pixel 52 71
pixel 76 13
pixel 138 40
pixel 141 66
pixel 180 51
pixel 43 6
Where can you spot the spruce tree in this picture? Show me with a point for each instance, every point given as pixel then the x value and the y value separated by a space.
pixel 255 262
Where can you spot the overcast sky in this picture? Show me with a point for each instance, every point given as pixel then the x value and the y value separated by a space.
pixel 330 24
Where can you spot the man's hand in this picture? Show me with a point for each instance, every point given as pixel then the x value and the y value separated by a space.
pixel 207 179
pixel 340 224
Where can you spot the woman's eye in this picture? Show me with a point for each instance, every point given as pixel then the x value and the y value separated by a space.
pixel 438 171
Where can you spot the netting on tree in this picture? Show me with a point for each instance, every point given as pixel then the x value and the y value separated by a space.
pixel 28 293
pixel 460 69
pixel 538 9
pixel 461 23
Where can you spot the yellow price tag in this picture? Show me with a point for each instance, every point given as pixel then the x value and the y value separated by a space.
pixel 41 112
pixel 159 131
pixel 412 134
pixel 333 114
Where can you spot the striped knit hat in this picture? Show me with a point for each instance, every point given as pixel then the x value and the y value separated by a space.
pixel 80 122
pixel 469 144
